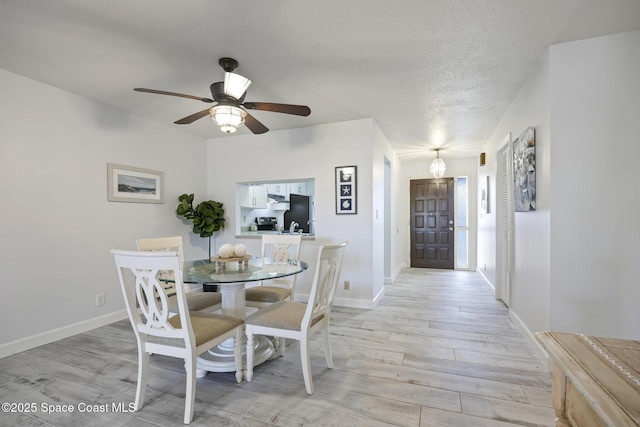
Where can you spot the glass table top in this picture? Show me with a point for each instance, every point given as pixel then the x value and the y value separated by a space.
pixel 255 269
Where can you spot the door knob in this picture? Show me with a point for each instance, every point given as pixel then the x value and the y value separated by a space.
pixel 451 228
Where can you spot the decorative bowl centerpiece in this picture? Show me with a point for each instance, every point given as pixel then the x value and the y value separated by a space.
pixel 231 253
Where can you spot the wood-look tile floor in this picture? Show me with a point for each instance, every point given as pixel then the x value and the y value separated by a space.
pixel 439 350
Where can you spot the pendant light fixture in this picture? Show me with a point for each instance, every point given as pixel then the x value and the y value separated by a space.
pixel 438 167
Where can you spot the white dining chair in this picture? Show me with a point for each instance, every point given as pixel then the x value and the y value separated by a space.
pixel 183 335
pixel 196 300
pixel 299 321
pixel 281 247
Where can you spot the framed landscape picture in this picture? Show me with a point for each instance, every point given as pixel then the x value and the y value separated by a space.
pixel 346 190
pixel 131 184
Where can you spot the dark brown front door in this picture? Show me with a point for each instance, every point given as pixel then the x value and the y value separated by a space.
pixel 432 223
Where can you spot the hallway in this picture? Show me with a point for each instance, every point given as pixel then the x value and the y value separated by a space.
pixel 438 351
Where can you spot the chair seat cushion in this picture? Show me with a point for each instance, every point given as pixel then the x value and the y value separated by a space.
pixel 207 326
pixel 281 315
pixel 267 294
pixel 196 301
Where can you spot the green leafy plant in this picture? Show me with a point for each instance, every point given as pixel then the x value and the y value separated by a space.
pixel 207 217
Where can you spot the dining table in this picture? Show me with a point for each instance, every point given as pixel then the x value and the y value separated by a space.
pixel 232 277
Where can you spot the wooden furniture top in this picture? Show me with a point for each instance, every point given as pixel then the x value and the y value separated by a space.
pixel 605 370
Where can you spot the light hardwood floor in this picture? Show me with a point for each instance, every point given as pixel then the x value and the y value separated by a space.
pixel 438 351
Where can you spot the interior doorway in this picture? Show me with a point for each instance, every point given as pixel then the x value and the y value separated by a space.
pixel 504 222
pixel 387 222
pixel 432 223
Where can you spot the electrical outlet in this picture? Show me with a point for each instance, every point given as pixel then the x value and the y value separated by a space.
pixel 347 285
pixel 99 299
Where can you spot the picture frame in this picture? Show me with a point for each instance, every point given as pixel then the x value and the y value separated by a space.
pixel 134 185
pixel 346 190
pixel 524 171
pixel 484 195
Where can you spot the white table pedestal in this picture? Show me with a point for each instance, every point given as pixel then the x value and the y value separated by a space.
pixel 220 358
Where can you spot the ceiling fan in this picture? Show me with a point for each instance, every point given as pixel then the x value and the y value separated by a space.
pixel 230 109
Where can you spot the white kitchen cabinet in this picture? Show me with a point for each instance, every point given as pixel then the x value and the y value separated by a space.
pixel 253 196
pixel 281 189
pixel 298 188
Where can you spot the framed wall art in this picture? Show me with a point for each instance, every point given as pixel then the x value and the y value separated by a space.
pixel 484 195
pixel 524 171
pixel 131 184
pixel 346 190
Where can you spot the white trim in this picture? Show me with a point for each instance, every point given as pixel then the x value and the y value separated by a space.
pixel 486 279
pixel 401 267
pixel 47 337
pixel 349 302
pixel 539 350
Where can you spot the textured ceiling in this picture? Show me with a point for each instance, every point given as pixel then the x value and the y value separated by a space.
pixel 432 73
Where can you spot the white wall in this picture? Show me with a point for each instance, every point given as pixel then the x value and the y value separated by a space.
pixel 419 169
pixel 530 273
pixel 595 107
pixel 574 260
pixel 312 152
pixel 56 224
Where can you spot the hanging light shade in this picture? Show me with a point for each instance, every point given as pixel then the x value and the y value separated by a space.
pixel 438 167
pixel 228 117
pixel 235 85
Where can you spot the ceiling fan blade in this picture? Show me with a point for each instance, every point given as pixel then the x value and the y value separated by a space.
pixel 192 118
pixel 254 125
pixel 298 110
pixel 164 92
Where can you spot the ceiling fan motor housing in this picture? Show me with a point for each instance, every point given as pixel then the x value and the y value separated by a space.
pixel 228 64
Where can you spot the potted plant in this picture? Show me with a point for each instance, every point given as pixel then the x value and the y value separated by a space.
pixel 207 217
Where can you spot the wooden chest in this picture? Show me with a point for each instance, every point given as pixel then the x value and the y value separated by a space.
pixel 596 381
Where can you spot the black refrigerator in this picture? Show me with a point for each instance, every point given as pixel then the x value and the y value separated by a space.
pixel 298 212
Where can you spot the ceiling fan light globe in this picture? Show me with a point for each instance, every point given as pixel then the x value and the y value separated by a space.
pixel 228 117
pixel 228 129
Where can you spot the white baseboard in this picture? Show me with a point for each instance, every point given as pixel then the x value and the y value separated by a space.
pixel 47 337
pixel 349 302
pixel 401 267
pixel 378 298
pixel 486 279
pixel 542 354
pixel 354 303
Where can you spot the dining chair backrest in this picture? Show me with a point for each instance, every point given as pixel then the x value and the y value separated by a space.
pixel 196 299
pixel 325 282
pixel 162 244
pixel 146 298
pixel 281 247
pixel 173 243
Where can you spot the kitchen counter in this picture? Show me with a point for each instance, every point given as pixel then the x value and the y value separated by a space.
pixel 259 234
